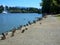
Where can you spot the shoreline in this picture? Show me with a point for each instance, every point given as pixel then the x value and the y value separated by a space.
pixel 47 33
pixel 20 28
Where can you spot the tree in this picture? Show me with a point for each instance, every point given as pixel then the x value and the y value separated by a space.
pixel 51 6
pixel 1 8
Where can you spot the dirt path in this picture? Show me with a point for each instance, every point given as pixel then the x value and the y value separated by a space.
pixel 47 33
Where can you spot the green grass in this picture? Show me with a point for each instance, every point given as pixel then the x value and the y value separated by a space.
pixel 58 16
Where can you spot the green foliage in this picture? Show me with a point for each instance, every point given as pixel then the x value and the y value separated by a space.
pixel 51 6
pixel 20 10
pixel 56 2
pixel 1 8
pixel 23 10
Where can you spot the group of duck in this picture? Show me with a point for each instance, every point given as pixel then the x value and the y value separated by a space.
pixel 19 28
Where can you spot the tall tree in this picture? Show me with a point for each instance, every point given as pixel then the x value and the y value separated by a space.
pixel 50 6
pixel 1 8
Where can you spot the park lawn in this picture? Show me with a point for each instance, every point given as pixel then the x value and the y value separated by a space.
pixel 58 16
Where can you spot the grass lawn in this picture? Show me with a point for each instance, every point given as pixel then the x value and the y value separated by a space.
pixel 58 16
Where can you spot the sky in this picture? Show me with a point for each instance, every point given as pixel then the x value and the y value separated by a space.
pixel 21 3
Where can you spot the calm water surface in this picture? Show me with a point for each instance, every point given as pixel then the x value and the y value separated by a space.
pixel 8 21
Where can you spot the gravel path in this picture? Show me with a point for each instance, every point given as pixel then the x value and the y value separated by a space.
pixel 47 33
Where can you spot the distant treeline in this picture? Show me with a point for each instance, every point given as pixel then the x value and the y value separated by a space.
pixel 50 6
pixel 20 9
pixel 1 8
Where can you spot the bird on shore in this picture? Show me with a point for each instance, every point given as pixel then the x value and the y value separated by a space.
pixel 3 36
pixel 23 31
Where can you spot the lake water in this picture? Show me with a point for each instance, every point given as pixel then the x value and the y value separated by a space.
pixel 10 20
